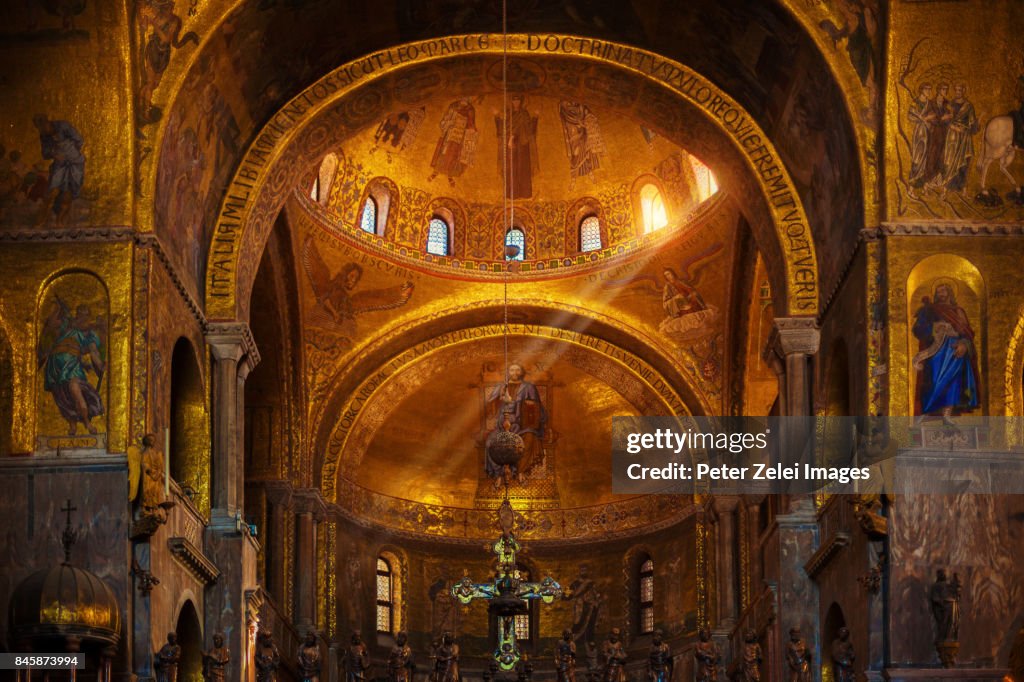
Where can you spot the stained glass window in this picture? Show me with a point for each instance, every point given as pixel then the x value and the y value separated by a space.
pixel 590 234
pixel 515 237
pixel 652 207
pixel 384 592
pixel 647 596
pixel 437 237
pixel 368 222
pixel 522 621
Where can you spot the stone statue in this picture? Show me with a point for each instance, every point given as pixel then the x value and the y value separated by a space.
pixel 165 661
pixel 706 658
pixel 614 657
pixel 446 660
pixel 659 661
pixel 266 658
pixel 843 657
pixel 308 658
pixel 215 660
pixel 565 658
pixel 798 657
pixel 357 660
pixel 400 665
pixel 747 668
pixel 945 599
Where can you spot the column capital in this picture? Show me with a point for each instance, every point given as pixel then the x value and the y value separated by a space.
pixel 278 492
pixel 309 501
pixel 793 335
pixel 225 337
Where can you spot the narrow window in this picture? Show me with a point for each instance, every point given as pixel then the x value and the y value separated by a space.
pixel 315 192
pixel 590 234
pixel 523 626
pixel 437 237
pixel 647 597
pixel 385 605
pixel 516 238
pixel 368 222
pixel 652 207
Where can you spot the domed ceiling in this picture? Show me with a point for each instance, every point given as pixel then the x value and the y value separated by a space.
pixel 567 160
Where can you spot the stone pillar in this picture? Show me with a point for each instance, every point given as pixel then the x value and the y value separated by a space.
pixel 279 494
pixel 309 508
pixel 227 349
pixel 728 555
pixel 798 594
pixel 230 609
pixel 793 341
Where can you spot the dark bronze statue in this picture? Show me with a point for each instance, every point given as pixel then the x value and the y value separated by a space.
pixel 565 658
pixel 165 661
pixel 446 660
pixel 614 657
pixel 706 658
pixel 308 658
pixel 798 657
pixel 945 599
pixel 400 665
pixel 659 661
pixel 266 658
pixel 843 657
pixel 748 667
pixel 216 660
pixel 593 663
pixel 357 660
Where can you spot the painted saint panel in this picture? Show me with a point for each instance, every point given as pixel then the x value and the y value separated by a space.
pixel 71 354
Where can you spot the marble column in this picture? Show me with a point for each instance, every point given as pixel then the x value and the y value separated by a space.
pixel 728 560
pixel 279 494
pixel 228 542
pixel 309 508
pixel 793 341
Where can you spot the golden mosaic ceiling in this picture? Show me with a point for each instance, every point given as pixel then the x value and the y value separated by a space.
pixel 567 160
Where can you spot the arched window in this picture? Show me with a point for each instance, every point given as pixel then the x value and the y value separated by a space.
pixel 314 194
pixel 652 208
pixel 516 237
pixel 368 221
pixel 325 178
pixel 437 237
pixel 646 596
pixel 385 592
pixel 590 234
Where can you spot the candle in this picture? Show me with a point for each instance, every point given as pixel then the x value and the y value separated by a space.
pixel 167 463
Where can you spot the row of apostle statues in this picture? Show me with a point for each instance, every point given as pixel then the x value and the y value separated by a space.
pixel 608 665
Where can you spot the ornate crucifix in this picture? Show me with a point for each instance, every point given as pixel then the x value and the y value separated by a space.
pixel 507 595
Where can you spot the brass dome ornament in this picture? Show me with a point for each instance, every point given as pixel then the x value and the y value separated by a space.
pixel 66 609
pixel 505 448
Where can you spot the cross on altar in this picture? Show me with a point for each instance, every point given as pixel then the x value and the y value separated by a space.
pixel 506 595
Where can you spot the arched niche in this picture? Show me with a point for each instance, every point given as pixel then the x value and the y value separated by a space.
pixel 189 426
pixel 945 289
pixel 72 348
pixel 190 639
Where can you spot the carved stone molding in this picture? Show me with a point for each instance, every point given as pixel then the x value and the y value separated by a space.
pixel 193 560
pixel 77 234
pixel 150 241
pixel 949 229
pixel 279 493
pixel 824 555
pixel 231 333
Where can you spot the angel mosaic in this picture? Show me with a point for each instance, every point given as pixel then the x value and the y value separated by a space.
pixel 338 301
pixel 70 348
pixel 687 315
